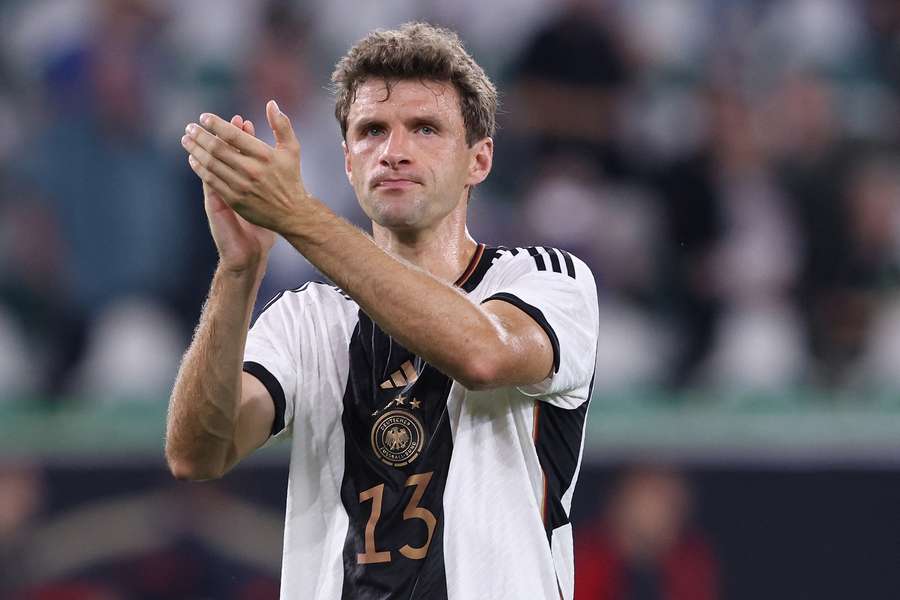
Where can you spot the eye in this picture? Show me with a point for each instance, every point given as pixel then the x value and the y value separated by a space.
pixel 427 130
pixel 373 130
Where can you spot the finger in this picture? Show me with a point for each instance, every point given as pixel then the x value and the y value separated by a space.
pixel 239 122
pixel 281 125
pixel 217 147
pixel 209 178
pixel 249 128
pixel 212 164
pixel 247 144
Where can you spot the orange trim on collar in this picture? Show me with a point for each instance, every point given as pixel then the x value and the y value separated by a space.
pixel 471 267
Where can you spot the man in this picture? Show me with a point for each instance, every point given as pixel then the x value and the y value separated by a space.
pixel 435 398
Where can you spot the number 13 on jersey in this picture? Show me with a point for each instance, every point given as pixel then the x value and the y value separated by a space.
pixel 412 511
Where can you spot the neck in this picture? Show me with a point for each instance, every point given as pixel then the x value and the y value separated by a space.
pixel 444 251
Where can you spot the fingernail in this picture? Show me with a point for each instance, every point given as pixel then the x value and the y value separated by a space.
pixel 191 129
pixel 205 118
pixel 184 140
pixel 277 108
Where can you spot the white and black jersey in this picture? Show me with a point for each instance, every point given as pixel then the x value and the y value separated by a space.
pixel 404 484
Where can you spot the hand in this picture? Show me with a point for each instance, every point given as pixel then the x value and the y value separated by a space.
pixel 261 183
pixel 241 244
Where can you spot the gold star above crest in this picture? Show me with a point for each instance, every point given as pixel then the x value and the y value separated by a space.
pixel 415 403
pixel 401 399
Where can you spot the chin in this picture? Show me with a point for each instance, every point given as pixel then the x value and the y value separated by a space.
pixel 394 214
pixel 398 221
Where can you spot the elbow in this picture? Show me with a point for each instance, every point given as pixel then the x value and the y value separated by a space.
pixel 182 471
pixel 480 374
pixel 191 470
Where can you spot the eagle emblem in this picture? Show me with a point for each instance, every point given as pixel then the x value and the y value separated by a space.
pixel 397 438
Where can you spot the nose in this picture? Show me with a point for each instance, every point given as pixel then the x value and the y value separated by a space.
pixel 395 152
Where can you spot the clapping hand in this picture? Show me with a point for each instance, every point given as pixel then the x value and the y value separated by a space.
pixel 260 183
pixel 241 244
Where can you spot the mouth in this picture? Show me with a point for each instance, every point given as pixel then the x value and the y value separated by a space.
pixel 397 183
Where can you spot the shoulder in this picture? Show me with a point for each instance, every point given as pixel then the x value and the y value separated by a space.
pixel 314 296
pixel 518 261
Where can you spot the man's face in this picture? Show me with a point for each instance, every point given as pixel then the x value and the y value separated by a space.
pixel 407 156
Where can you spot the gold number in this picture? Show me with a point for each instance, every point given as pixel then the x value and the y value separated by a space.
pixel 412 511
pixel 371 555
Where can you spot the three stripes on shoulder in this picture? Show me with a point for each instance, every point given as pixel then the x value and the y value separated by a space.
pixel 545 258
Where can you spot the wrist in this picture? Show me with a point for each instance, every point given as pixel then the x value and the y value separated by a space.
pixel 252 272
pixel 310 223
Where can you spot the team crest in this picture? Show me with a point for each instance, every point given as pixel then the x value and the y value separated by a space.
pixel 397 438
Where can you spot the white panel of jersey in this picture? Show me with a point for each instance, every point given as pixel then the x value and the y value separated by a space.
pixel 403 484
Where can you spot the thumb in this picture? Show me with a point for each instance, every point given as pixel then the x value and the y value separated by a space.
pixel 280 124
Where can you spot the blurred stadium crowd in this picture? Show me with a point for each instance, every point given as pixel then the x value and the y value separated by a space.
pixel 728 168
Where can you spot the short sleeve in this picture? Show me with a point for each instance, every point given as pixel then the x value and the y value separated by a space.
pixel 557 290
pixel 272 355
pixel 298 349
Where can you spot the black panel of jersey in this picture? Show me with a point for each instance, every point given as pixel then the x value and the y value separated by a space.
pixel 397 454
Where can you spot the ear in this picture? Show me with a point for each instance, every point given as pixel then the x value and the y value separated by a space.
pixel 481 162
pixel 348 170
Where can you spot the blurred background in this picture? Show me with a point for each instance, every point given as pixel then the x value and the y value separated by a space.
pixel 730 169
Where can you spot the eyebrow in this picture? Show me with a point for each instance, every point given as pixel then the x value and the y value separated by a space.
pixel 431 121
pixel 366 123
pixel 415 122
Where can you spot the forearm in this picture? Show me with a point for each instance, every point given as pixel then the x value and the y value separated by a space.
pixel 204 404
pixel 430 318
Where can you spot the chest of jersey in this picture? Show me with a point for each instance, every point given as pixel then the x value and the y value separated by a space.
pixel 398 447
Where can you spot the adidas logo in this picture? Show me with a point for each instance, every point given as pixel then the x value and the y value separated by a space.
pixel 402 377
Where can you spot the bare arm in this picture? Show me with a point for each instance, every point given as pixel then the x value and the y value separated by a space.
pixel 484 346
pixel 217 413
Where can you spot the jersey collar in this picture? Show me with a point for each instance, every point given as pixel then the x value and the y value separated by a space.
pixel 478 266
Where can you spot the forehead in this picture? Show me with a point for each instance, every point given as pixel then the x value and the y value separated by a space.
pixel 407 98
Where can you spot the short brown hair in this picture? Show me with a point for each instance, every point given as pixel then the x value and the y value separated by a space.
pixel 418 51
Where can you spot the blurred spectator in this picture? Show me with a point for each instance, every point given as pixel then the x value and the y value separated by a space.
pixel 865 276
pixel 643 547
pixel 30 263
pixel 730 250
pixel 568 81
pixel 109 188
pixel 845 218
pixel 752 267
